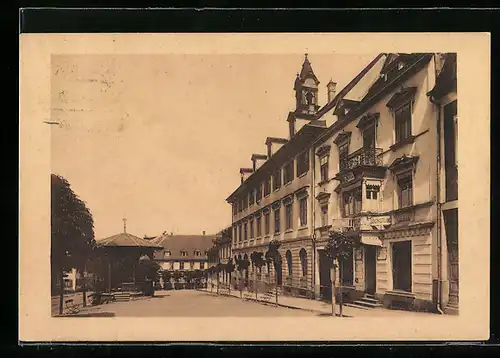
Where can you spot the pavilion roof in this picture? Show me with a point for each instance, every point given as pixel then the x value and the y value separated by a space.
pixel 125 239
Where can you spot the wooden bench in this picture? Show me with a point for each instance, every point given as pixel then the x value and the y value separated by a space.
pixel 71 306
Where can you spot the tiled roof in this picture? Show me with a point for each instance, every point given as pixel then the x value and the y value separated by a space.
pixel 178 243
pixel 126 240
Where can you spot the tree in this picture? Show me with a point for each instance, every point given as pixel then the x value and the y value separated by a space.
pixel 242 265
pixel 177 277
pixel 167 276
pixel 338 248
pixel 258 261
pixel 229 268
pixel 72 232
pixel 273 255
pixel 219 268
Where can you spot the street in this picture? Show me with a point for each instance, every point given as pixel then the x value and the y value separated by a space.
pixel 191 303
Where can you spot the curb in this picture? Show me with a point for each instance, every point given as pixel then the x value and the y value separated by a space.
pixel 267 302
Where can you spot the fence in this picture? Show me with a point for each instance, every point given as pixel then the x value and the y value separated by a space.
pixel 290 286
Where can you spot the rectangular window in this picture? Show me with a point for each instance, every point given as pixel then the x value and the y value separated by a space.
pixel 235 235
pixel 401 266
pixel 267 186
pixel 372 198
pixel 369 138
pixel 405 190
pixel 251 229
pixel 450 151
pixel 191 265
pixel 277 220
pixel 352 202
pixel 303 211
pixel 259 192
pixel 182 265
pixel 288 173
pixel 277 180
pixel 267 223
pixel 324 214
pixel 402 117
pixel 259 226
pixel 288 217
pixel 323 167
pixel 240 236
pixel 245 232
pixel 251 198
pixel 302 163
pixel 344 156
pixel 235 209
pixel 347 269
pixel 202 265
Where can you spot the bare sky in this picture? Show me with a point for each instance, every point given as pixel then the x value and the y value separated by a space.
pixel 160 139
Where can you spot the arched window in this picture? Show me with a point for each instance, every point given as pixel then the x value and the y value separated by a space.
pixel 303 261
pixel 309 98
pixel 289 262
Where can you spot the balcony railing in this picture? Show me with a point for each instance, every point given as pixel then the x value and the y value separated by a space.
pixel 362 157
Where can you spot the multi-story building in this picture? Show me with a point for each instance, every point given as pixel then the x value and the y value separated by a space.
pixel 183 252
pixel 444 96
pixel 274 200
pixel 381 189
pixel 384 173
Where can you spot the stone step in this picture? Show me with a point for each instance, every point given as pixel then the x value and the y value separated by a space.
pixel 367 304
pixel 370 300
pixel 356 306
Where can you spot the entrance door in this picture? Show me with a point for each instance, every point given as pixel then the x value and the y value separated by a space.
pixel 451 225
pixel 370 269
pixel 324 276
pixel 401 266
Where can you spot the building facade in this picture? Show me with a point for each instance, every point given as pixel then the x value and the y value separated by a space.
pixel 183 252
pixel 384 173
pixel 274 200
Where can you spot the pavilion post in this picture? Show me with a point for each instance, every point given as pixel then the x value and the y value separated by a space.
pixel 109 275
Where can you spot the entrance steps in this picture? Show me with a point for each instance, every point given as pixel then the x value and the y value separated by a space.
pixel 122 296
pixel 366 302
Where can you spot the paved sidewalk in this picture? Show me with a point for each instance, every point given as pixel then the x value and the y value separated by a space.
pixel 321 307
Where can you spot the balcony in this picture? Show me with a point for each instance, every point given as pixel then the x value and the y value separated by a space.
pixel 369 157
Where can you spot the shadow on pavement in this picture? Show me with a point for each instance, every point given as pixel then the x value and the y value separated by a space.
pixel 330 315
pixel 89 314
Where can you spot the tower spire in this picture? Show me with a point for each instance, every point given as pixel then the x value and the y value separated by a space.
pixel 124 225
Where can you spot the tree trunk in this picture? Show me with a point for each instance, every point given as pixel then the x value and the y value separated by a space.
pixel 85 296
pixel 340 287
pixel 255 283
pixel 276 289
pixel 61 292
pixel 109 276
pixel 218 279
pixel 230 284
pixel 332 274
pixel 241 284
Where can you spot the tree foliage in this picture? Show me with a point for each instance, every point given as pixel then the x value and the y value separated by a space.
pixel 338 246
pixel 242 264
pixel 229 266
pixel 72 227
pixel 273 255
pixel 257 259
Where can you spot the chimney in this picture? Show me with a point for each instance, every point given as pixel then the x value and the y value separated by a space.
pixel 256 158
pixel 331 86
pixel 269 143
pixel 245 173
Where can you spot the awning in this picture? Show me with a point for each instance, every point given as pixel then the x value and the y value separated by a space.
pixel 371 240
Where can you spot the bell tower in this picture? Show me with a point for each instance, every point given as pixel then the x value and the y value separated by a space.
pixel 306 91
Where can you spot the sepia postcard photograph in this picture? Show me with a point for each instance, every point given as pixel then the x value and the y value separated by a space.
pixel 217 187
